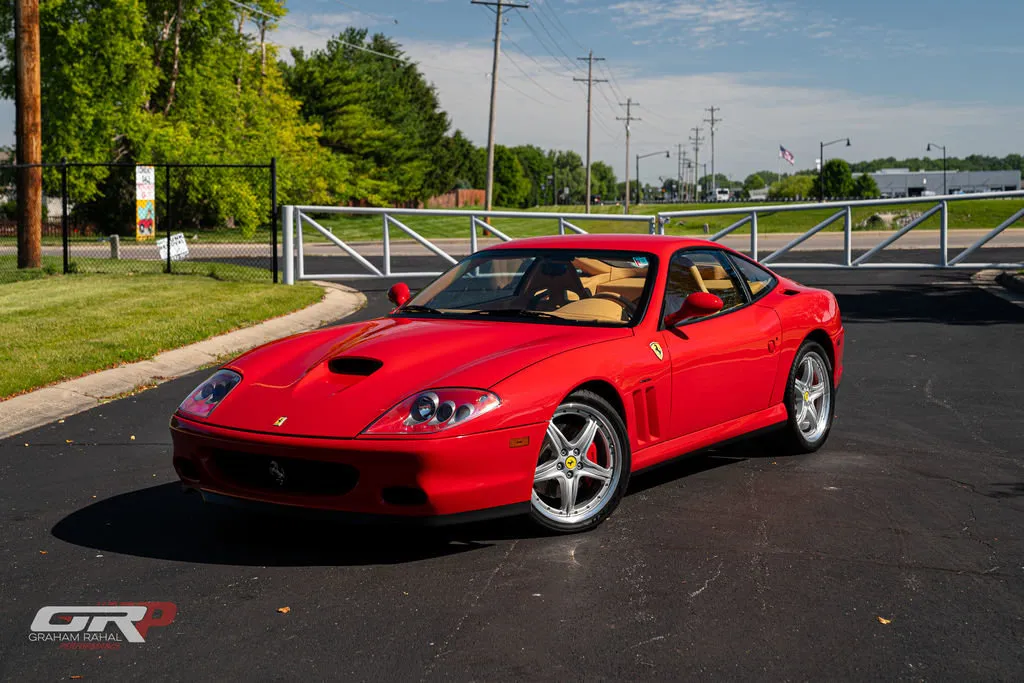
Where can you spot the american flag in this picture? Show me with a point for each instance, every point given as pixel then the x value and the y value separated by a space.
pixel 786 154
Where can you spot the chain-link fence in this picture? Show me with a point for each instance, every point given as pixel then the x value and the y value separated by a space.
pixel 218 220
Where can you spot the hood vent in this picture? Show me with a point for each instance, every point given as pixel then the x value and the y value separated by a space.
pixel 347 365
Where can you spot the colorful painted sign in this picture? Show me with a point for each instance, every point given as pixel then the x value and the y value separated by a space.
pixel 145 203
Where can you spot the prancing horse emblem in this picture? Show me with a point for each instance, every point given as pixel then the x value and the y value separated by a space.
pixel 280 421
pixel 656 347
pixel 277 473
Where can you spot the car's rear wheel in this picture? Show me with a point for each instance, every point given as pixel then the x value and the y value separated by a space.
pixel 810 400
pixel 583 466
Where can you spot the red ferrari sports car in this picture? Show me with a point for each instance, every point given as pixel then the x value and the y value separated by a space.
pixel 533 377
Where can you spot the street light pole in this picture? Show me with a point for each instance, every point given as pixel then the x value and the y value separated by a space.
pixel 668 155
pixel 821 167
pixel 943 148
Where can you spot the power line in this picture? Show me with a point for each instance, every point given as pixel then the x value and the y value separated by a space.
pixel 365 13
pixel 569 60
pixel 696 139
pixel 560 74
pixel 529 77
pixel 559 25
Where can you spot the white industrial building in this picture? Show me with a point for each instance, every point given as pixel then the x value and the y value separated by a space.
pixel 902 182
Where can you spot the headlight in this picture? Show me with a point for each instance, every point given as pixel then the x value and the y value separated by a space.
pixel 210 393
pixel 433 411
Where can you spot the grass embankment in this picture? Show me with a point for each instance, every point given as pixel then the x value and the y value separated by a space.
pixel 966 214
pixel 973 213
pixel 57 328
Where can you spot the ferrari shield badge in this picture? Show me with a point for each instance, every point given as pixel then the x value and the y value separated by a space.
pixel 570 462
pixel 656 347
pixel 280 421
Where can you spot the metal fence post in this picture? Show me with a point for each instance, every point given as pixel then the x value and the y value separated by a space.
pixel 64 212
pixel 387 246
pixel 753 235
pixel 167 212
pixel 848 235
pixel 273 215
pixel 944 235
pixel 472 234
pixel 287 224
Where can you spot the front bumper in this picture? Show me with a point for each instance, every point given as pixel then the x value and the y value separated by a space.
pixel 396 477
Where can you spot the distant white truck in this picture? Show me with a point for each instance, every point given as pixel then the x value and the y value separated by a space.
pixel 721 194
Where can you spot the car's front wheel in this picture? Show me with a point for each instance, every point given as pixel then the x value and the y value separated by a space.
pixel 583 466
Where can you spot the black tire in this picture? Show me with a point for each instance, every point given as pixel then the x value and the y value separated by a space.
pixel 792 439
pixel 587 401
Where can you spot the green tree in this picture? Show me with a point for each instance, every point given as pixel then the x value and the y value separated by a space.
pixel 511 186
pixel 836 179
pixel 792 187
pixel 569 173
pixel 865 187
pixel 602 181
pixel 754 181
pixel 537 167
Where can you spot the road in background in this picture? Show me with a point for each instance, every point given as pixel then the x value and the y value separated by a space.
pixel 732 564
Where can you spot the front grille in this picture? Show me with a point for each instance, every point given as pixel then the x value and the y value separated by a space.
pixel 285 475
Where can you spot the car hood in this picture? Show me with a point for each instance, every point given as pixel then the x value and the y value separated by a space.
pixel 293 378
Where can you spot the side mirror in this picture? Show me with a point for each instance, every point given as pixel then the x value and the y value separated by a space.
pixel 696 305
pixel 398 293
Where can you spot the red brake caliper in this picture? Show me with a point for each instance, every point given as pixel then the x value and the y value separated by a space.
pixel 592 454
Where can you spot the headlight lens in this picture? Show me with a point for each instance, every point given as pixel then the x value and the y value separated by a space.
pixel 433 411
pixel 210 393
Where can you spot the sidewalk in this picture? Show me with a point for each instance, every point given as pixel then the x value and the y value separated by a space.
pixel 36 408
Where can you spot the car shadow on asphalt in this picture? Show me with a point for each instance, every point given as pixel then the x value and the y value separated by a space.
pixel 163 522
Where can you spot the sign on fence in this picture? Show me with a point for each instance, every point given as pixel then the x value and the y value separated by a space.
pixel 145 203
pixel 179 247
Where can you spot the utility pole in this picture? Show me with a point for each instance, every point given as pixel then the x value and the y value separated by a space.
pixel 629 118
pixel 679 170
pixel 590 59
pixel 696 139
pixel 498 6
pixel 713 121
pixel 28 133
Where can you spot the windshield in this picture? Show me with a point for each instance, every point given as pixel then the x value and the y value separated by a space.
pixel 583 287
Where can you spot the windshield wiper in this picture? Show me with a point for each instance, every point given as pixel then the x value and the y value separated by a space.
pixel 516 313
pixel 417 308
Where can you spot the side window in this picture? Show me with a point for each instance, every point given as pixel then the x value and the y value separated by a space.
pixel 702 271
pixel 758 279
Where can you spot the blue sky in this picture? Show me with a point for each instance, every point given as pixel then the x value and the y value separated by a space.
pixel 892 75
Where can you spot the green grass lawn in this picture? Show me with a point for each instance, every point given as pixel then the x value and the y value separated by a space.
pixel 53 265
pixel 57 328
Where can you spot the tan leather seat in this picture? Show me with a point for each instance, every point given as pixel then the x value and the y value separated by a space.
pixel 631 288
pixel 604 310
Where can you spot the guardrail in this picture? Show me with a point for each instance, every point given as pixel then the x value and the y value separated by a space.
pixel 295 218
pixel 844 210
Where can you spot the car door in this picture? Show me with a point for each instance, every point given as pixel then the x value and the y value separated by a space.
pixel 723 365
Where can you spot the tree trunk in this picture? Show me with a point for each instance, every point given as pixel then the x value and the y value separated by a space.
pixel 177 59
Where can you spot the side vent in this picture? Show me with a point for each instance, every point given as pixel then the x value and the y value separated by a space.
pixel 645 406
pixel 790 292
pixel 347 365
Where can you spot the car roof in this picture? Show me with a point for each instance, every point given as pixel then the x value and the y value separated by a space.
pixel 662 245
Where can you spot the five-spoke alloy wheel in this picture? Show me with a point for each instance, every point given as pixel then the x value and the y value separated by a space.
pixel 809 399
pixel 583 466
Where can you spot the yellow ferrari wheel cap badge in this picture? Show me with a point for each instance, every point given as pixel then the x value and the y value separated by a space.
pixel 656 347
pixel 807 396
pixel 570 463
pixel 280 421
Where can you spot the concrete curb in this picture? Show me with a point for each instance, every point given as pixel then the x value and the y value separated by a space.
pixel 42 406
pixel 993 282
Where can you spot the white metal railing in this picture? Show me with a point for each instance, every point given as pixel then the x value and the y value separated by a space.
pixel 844 210
pixel 295 218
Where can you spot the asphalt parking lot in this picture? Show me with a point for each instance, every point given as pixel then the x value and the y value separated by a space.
pixel 733 564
